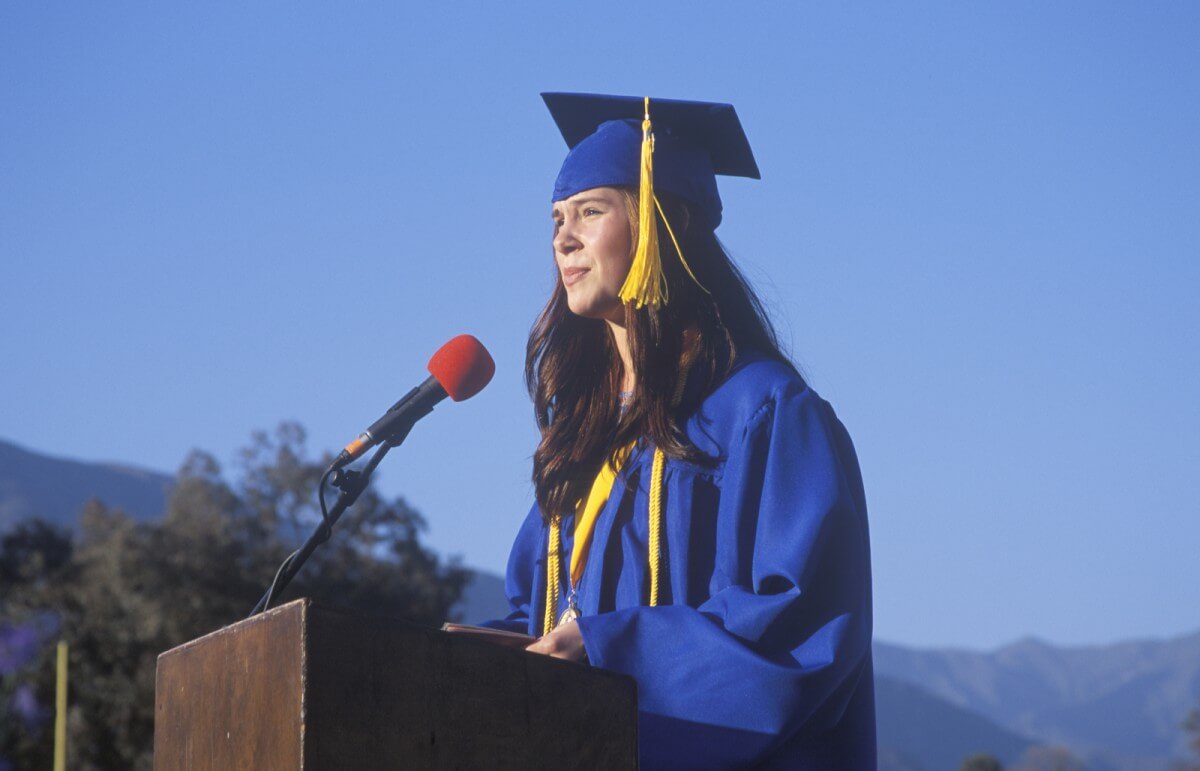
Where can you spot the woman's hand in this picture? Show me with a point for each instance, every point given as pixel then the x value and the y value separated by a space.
pixel 565 642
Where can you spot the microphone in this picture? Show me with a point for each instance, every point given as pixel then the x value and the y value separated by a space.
pixel 460 369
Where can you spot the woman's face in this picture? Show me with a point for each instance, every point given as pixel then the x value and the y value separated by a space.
pixel 593 248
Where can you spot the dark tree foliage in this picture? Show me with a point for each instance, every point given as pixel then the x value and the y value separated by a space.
pixel 982 761
pixel 1191 728
pixel 31 552
pixel 1048 758
pixel 121 592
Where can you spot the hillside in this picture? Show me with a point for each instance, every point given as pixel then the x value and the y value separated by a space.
pixel 55 489
pixel 919 731
pixel 1117 705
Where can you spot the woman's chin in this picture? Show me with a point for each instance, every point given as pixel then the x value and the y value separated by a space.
pixel 585 307
pixel 613 313
pixel 584 314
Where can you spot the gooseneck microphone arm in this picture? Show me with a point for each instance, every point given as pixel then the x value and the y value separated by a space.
pixel 351 483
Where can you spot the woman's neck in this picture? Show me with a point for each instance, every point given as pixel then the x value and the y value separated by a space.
pixel 620 336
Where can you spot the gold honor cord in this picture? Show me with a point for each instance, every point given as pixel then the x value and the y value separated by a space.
pixel 654 545
pixel 658 474
pixel 553 549
pixel 587 511
pixel 601 489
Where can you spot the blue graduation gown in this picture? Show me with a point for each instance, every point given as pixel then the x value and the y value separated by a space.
pixel 759 653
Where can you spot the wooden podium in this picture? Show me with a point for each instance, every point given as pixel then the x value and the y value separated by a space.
pixel 306 686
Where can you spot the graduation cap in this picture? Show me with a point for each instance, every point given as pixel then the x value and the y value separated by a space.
pixel 666 145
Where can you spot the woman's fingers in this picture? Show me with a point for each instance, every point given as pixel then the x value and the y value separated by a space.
pixel 565 642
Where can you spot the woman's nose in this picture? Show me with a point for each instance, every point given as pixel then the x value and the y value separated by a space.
pixel 565 240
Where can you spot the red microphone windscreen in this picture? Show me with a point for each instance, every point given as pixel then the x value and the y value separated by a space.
pixel 462 367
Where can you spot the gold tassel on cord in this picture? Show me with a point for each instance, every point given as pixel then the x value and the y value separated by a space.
pixel 646 284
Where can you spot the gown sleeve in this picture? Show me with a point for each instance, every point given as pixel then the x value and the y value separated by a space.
pixel 774 655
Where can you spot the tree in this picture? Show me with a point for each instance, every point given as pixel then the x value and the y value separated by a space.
pixel 1191 727
pixel 981 761
pixel 1042 758
pixel 124 592
pixel 32 551
pixel 31 555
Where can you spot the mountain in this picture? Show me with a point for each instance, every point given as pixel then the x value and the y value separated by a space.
pixel 1117 706
pixel 918 731
pixel 483 599
pixel 55 489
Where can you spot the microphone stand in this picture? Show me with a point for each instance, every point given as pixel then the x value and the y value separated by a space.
pixel 351 483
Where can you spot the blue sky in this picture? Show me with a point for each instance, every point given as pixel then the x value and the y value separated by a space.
pixel 978 229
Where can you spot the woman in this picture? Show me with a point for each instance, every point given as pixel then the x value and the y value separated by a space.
pixel 700 522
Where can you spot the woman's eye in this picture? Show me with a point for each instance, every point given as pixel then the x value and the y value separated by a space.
pixel 590 211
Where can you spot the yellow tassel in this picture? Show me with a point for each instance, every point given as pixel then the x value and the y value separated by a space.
pixel 645 284
pixel 553 576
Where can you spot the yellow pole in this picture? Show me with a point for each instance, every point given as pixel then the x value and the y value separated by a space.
pixel 60 716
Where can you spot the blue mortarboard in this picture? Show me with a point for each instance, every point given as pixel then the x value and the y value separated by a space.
pixel 693 142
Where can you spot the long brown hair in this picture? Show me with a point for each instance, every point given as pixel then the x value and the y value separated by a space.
pixel 573 371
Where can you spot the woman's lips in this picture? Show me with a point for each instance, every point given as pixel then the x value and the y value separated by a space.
pixel 572 275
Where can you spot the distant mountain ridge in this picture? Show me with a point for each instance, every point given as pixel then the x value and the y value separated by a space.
pixel 55 489
pixel 918 731
pixel 1116 706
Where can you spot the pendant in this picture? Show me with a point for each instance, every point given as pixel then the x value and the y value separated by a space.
pixel 572 612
